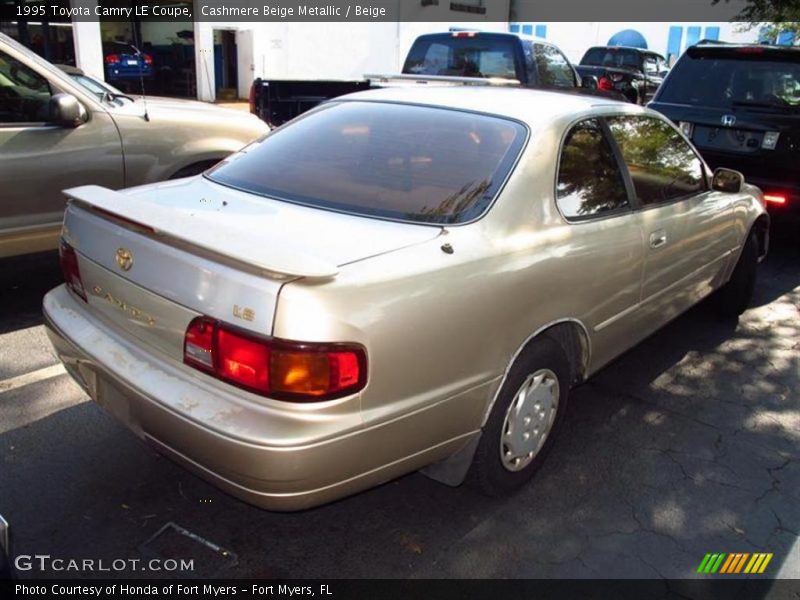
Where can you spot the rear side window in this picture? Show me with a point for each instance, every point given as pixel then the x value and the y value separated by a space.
pixel 552 67
pixel 396 161
pixel 589 180
pixel 478 56
pixel 726 80
pixel 662 165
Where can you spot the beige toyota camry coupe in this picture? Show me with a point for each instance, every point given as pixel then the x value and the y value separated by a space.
pixel 400 279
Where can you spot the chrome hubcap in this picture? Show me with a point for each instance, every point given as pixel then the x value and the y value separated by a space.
pixel 529 419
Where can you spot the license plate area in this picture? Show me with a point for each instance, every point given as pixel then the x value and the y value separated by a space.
pixel 726 138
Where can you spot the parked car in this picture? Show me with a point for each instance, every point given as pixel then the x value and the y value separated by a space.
pixel 55 133
pixel 125 61
pixel 740 105
pixel 399 279
pixel 458 57
pixel 634 72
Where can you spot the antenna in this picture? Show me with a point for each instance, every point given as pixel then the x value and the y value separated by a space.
pixel 141 77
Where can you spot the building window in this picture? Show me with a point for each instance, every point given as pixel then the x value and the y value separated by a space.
pixel 539 30
pixel 470 6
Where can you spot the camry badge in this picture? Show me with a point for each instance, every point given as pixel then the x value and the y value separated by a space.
pixel 124 259
pixel 728 120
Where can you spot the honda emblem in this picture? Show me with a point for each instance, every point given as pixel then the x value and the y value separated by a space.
pixel 728 120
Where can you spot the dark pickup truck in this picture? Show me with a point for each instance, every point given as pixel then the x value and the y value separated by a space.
pixel 633 72
pixel 459 57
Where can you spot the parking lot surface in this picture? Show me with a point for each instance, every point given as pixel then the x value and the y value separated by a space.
pixel 688 444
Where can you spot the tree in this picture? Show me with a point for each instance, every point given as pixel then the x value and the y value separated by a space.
pixel 770 16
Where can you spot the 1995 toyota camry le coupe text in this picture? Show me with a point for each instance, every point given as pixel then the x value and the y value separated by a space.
pixel 399 279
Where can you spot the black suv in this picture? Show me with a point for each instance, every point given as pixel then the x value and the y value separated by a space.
pixel 740 105
pixel 634 72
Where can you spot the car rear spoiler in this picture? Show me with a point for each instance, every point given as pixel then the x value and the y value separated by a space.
pixel 200 231
pixel 451 79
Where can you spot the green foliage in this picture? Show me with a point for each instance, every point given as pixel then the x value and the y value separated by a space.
pixel 774 16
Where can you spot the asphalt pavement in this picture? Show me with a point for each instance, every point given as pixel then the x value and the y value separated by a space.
pixel 687 445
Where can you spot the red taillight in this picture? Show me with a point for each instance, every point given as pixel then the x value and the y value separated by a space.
pixel 775 198
pixel 112 59
pixel 148 60
pixel 69 267
pixel 749 50
pixel 604 83
pixel 464 34
pixel 251 98
pixel 242 360
pixel 280 369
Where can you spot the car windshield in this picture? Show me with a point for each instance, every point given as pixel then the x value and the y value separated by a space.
pixel 478 56
pixel 726 81
pixel 100 89
pixel 395 161
pixel 611 57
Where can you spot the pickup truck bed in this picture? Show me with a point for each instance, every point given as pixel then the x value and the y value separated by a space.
pixel 457 58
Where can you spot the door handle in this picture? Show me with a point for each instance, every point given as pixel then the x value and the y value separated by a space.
pixel 658 238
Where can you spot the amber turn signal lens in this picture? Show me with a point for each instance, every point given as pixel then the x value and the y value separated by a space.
pixel 300 373
pixel 276 368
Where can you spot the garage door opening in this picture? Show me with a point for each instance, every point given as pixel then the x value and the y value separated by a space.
pixel 166 63
pixel 226 61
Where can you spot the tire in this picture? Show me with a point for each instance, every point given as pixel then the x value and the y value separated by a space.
pixel 498 467
pixel 733 298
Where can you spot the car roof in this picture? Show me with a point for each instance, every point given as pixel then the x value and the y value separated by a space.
pixel 727 48
pixel 533 107
pixel 626 48
pixel 496 34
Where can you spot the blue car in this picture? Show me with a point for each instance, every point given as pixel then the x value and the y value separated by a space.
pixel 124 61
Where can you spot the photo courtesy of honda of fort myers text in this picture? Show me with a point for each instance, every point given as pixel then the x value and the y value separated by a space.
pixel 335 299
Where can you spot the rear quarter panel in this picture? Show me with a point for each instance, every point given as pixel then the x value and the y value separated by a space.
pixel 441 329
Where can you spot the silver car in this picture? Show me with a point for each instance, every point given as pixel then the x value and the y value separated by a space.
pixel 400 279
pixel 56 133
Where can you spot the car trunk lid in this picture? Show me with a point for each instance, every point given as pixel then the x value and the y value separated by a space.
pixel 153 258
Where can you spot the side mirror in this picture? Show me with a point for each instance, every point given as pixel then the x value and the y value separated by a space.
pixel 65 110
pixel 589 82
pixel 727 180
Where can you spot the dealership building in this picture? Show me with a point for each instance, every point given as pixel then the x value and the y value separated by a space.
pixel 213 60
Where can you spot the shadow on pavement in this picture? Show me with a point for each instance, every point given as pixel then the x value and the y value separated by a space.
pixel 24 280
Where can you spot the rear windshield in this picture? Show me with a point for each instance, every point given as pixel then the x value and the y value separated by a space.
pixel 479 56
pixel 724 81
pixel 394 161
pixel 606 57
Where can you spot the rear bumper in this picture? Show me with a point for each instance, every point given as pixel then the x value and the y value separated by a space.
pixel 226 438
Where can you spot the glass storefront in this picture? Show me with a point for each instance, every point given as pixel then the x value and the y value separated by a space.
pixel 49 39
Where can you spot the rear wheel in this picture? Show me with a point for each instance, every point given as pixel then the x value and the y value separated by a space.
pixel 524 420
pixel 732 299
